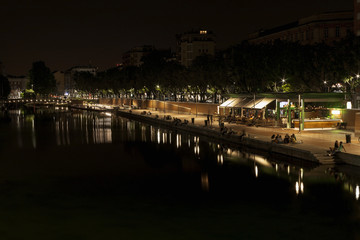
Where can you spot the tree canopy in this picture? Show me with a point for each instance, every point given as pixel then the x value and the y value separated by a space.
pixel 41 78
pixel 5 88
pixel 279 66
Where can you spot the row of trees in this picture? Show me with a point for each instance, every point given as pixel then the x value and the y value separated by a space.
pixel 158 78
pixel 304 68
pixel 245 68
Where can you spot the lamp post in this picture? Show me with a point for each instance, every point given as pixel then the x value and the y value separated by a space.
pixel 282 83
pixel 196 104
pixel 326 87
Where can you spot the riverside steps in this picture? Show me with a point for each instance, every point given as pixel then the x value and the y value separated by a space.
pixel 313 148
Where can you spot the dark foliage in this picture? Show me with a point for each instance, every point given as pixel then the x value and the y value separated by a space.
pixel 41 78
pixel 4 87
pixel 245 68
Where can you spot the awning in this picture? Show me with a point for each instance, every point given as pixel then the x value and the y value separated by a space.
pixel 244 102
pixel 229 102
pixel 259 103
pixel 252 103
pixel 264 102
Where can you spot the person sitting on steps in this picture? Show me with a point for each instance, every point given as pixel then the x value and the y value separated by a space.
pixel 341 147
pixel 287 138
pixel 335 148
pixel 273 138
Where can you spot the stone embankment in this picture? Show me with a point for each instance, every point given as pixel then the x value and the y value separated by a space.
pixel 233 139
pixel 316 143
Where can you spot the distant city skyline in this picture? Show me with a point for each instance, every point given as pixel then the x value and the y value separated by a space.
pixel 70 33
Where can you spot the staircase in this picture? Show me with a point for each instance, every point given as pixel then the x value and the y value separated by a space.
pixel 323 158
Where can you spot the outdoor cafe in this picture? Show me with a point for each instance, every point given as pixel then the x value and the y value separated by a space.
pixel 306 111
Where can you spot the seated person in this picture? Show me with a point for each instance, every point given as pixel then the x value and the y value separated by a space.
pixel 341 147
pixel 287 138
pixel 273 138
pixel 335 148
pixel 278 139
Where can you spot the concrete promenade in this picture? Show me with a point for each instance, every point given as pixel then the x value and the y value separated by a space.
pixel 315 141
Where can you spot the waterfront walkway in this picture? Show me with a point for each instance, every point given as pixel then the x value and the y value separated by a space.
pixel 315 141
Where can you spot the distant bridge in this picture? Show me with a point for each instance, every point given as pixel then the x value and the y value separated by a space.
pixel 11 103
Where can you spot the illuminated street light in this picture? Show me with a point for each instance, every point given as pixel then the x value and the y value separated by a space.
pixel 326 86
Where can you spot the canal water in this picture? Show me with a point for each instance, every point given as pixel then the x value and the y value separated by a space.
pixel 68 174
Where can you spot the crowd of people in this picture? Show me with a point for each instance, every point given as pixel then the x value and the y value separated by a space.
pixel 287 139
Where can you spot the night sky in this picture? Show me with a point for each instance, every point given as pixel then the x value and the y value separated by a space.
pixel 78 32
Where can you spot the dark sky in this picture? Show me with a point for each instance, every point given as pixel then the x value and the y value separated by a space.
pixel 66 33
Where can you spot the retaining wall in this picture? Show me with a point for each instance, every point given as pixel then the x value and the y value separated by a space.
pixel 232 139
pixel 164 106
pixel 348 158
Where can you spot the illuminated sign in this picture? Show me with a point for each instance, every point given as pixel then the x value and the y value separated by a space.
pixel 335 112
pixel 348 105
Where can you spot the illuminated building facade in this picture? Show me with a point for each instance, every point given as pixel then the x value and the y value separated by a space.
pixel 17 84
pixel 193 44
pixel 324 27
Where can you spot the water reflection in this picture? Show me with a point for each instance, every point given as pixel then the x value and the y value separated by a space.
pixel 60 127
pixel 64 128
pixel 178 140
pixel 220 158
pixel 205 181
pixel 299 185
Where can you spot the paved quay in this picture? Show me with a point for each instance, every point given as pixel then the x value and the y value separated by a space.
pixel 315 141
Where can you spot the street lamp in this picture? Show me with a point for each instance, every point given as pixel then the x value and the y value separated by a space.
pixel 282 83
pixel 326 87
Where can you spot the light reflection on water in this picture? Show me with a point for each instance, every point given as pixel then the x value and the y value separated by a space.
pixel 64 128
